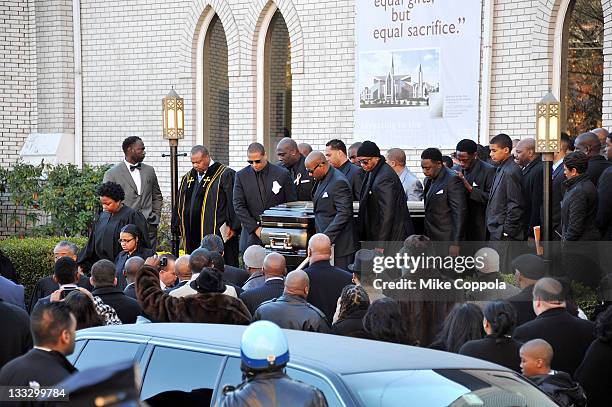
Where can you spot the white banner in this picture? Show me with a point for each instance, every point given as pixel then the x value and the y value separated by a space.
pixel 418 70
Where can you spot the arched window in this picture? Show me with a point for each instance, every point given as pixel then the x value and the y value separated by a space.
pixel 216 92
pixel 277 87
pixel 582 66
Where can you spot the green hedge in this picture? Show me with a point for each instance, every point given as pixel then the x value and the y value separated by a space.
pixel 33 257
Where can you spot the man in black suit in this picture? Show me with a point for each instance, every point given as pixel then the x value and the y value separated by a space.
pixel 352 152
pixel 335 152
pixel 53 329
pixel 233 275
pixel 569 336
pixel 258 187
pixel 139 182
pixel 558 188
pixel 16 336
pixel 445 202
pixel 289 157
pixel 477 177
pixel 333 208
pixel 104 281
pixel 528 269
pixel 326 281
pixel 506 207
pixel 383 212
pixel 130 271
pixel 66 275
pixel 274 269
pixel 532 183
pixel 589 144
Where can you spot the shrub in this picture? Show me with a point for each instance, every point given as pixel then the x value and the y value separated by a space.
pixel 69 197
pixel 33 257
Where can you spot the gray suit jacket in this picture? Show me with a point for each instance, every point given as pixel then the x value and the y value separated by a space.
pixel 150 200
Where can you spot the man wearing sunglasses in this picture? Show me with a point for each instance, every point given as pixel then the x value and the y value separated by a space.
pixel 257 187
pixel 383 212
pixel 333 208
pixel 289 157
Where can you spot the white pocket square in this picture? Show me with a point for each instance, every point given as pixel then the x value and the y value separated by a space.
pixel 440 192
pixel 325 195
pixel 276 187
pixel 474 184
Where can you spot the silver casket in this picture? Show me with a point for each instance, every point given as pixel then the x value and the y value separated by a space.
pixel 286 228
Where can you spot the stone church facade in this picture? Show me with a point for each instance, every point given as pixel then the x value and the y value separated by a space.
pixel 91 72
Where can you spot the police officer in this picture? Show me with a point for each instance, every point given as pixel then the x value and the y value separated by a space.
pixel 265 353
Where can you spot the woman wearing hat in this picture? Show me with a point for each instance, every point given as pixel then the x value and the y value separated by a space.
pixel 208 305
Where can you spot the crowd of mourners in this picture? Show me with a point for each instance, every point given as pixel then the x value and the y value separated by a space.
pixel 492 195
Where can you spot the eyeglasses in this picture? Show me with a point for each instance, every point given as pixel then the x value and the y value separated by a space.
pixel 254 162
pixel 126 240
pixel 314 169
pixel 364 162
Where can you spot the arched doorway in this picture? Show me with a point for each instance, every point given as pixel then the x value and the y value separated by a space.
pixel 215 105
pixel 277 83
pixel 582 66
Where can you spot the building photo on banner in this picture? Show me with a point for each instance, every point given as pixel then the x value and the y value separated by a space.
pixel 223 202
pixel 417 72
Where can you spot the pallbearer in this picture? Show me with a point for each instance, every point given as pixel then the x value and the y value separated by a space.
pixel 333 208
pixel 205 205
pixel 259 186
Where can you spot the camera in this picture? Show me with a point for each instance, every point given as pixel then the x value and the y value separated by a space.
pixel 163 262
pixel 65 292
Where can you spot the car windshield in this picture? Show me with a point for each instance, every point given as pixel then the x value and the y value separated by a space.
pixel 445 387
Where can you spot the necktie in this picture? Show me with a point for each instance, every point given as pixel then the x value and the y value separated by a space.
pixel 135 167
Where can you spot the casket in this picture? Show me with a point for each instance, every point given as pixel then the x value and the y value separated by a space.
pixel 287 228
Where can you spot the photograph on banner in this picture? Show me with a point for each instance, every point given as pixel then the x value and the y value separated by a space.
pixel 418 72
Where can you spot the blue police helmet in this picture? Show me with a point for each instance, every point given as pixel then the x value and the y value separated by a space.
pixel 263 346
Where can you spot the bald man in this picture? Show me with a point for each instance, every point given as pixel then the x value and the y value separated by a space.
pixel 536 357
pixel 603 135
pixel 568 335
pixel 396 158
pixel 532 182
pixel 291 310
pixel 130 271
pixel 333 208
pixel 589 144
pixel 289 157
pixel 326 281
pixel 274 270
pixel 183 271
pixel 305 149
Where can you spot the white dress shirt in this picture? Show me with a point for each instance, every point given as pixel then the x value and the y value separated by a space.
pixel 135 176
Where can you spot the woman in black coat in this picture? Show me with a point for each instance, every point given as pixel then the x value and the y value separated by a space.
pixel 354 303
pixel 103 240
pixel 498 346
pixel 594 372
pixel 579 204
pixel 578 222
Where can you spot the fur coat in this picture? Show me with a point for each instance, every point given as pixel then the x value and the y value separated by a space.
pixel 214 308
